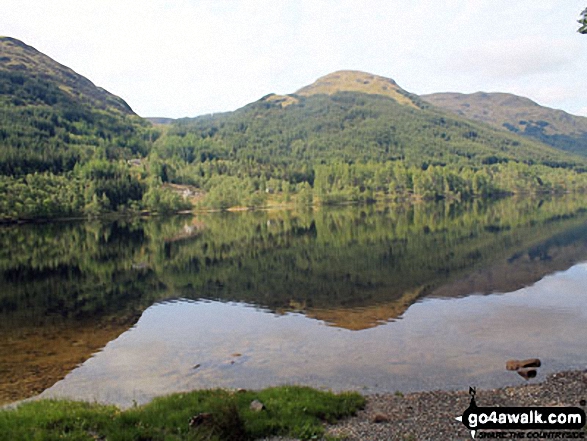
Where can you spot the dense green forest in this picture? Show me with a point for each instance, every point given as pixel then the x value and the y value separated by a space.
pixel 65 145
pixel 71 149
pixel 358 147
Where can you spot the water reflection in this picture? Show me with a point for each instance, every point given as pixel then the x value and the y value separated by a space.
pixel 66 290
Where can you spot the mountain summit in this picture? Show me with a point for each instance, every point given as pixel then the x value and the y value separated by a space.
pixel 361 82
pixel 353 118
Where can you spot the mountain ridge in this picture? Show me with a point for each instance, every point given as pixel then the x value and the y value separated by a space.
pixel 18 57
pixel 519 115
pixel 335 144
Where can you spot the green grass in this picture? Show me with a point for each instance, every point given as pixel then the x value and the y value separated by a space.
pixel 289 410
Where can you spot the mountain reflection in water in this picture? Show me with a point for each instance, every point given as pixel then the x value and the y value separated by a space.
pixel 67 290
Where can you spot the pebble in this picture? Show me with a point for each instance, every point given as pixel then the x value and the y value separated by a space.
pixel 431 415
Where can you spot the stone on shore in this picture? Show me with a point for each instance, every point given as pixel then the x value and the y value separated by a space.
pixel 514 365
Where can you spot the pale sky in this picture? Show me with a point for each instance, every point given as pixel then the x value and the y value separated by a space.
pixel 191 57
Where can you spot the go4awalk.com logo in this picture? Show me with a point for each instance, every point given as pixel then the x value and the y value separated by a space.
pixel 523 422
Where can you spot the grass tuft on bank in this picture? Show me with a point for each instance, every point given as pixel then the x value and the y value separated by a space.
pixel 288 411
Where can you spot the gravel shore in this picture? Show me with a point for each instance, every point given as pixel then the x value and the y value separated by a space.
pixel 431 415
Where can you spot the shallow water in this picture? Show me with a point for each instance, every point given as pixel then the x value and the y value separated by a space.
pixel 375 299
pixel 438 343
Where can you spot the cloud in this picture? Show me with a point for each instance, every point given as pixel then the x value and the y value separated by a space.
pixel 190 57
pixel 548 93
pixel 515 58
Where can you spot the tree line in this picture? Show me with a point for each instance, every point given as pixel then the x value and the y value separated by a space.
pixel 63 158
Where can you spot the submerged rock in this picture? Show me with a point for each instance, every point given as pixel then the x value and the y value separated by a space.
pixel 514 365
pixel 526 374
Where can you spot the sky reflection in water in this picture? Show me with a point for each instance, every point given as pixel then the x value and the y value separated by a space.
pixel 437 343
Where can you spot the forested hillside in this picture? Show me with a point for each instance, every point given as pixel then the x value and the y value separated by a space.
pixel 65 144
pixel 69 148
pixel 519 115
pixel 328 144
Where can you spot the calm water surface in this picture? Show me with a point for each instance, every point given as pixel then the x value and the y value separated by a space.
pixel 367 298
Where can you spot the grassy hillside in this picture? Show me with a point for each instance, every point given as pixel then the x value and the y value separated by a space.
pixel 519 115
pixel 19 57
pixel 362 82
